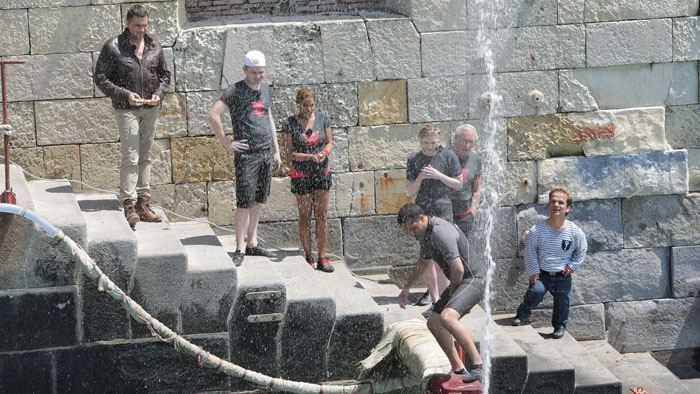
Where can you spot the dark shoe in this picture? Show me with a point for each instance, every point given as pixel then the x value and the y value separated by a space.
pixel 519 322
pixel 473 376
pixel 146 213
pixel 130 213
pixel 428 312
pixel 424 300
pixel 310 261
pixel 257 250
pixel 324 265
pixel 238 258
pixel 558 332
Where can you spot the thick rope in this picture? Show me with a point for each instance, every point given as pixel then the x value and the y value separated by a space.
pixel 5 129
pixel 161 331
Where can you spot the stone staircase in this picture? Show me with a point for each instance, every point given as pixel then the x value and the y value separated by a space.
pixel 277 316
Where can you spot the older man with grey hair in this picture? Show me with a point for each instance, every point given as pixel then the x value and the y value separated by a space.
pixel 465 201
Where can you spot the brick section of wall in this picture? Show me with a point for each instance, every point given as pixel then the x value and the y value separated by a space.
pixel 203 9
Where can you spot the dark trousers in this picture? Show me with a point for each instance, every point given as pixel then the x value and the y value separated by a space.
pixel 560 288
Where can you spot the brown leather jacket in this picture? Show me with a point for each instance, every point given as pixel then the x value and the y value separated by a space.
pixel 119 71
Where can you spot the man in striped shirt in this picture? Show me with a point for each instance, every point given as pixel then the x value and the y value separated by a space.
pixel 555 250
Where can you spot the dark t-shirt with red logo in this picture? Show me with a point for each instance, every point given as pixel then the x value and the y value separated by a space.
pixel 250 111
pixel 308 141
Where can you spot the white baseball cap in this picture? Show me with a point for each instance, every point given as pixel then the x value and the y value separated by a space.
pixel 254 59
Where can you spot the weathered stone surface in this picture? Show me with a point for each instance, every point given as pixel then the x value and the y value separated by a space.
pixel 26 372
pixel 200 159
pixel 592 133
pixel 286 235
pixel 602 11
pixel 633 174
pixel 15 230
pixel 681 126
pixel 162 20
pixel 497 148
pixel 339 101
pixel 50 32
pixel 62 161
pixel 164 196
pixel 628 86
pixel 686 39
pixel 623 275
pixel 382 102
pixel 14 29
pixel 394 39
pixel 693 170
pixel 100 165
pixel 444 53
pixel 240 40
pixel 75 122
pixel 434 16
pixel 339 155
pixel 198 106
pixel 298 54
pixel 667 221
pixel 345 51
pixel 282 204
pixel 372 241
pixel 616 43
pixel 221 202
pixel 586 322
pixel 516 13
pixel 685 276
pixel 389 145
pixel 504 239
pixel 172 121
pixel 514 89
pixel 190 200
pixel 570 11
pixel 37 319
pixel 161 161
pixel 199 59
pixel 437 99
pixel 641 326
pixel 30 159
pixel 21 118
pixel 352 194
pixel 47 3
pixel 519 183
pixel 509 284
pixel 390 190
pixel 46 77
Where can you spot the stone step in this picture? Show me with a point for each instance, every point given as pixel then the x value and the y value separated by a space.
pixel 211 279
pixel 591 375
pixel 386 294
pixel 308 320
pixel 509 360
pixel 548 370
pixel 688 375
pixel 624 370
pixel 113 246
pixel 657 373
pixel 55 202
pixel 160 275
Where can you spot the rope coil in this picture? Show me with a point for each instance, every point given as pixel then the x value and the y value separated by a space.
pixel 6 129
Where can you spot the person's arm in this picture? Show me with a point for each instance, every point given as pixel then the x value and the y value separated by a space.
pixel 421 265
pixel 217 128
pixel 578 255
pixel 476 194
pixel 321 156
pixel 276 158
pixel 289 147
pixel 104 71
pixel 532 265
pixel 413 187
pixel 430 172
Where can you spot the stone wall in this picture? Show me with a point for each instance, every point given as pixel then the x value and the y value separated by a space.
pixel 204 9
pixel 616 122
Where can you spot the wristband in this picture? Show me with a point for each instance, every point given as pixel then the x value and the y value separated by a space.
pixel 325 152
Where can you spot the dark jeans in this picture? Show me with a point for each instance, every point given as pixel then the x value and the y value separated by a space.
pixel 559 287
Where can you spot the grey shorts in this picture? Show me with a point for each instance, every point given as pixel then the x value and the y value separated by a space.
pixel 253 177
pixel 468 294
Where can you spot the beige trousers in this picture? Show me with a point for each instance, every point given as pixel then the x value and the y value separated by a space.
pixel 136 132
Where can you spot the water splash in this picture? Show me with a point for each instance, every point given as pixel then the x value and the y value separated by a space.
pixel 492 164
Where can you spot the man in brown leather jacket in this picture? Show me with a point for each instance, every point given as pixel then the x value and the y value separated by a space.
pixel 131 70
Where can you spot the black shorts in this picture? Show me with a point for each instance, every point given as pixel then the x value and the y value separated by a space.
pixel 253 178
pixel 304 186
pixel 468 294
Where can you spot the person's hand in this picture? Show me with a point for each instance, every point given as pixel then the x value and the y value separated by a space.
pixel 568 271
pixel 430 173
pixel 319 157
pixel 403 297
pixel 135 100
pixel 534 278
pixel 276 161
pixel 155 100
pixel 237 145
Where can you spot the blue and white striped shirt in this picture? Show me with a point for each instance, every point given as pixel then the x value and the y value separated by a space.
pixel 552 250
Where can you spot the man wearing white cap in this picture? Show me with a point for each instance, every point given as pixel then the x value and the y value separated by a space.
pixel 255 146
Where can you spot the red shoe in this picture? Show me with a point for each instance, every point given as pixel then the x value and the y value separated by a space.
pixel 324 265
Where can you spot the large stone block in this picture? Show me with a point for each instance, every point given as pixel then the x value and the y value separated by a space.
pixel 52 33
pixel 681 126
pixel 199 59
pixel 339 101
pixel 200 159
pixel 667 221
pixel 221 202
pixel 28 372
pixel 633 174
pixel 685 277
pixel 14 29
pixel 30 159
pixel 390 146
pixel 390 190
pixel 172 121
pixel 161 162
pixel 503 238
pixel 603 11
pixel 298 54
pixel 190 200
pixel 623 275
pixel 518 183
pixel 35 319
pixel 198 106
pixel 21 118
pixel 100 165
pixel 438 15
pixel 641 326
pixel 286 235
pixel 164 196
pixel 47 77
pixel 630 42
pixel 62 161
pixel 352 194
pixel 510 282
pixel 634 86
pixel 394 39
pixel 75 122
pixel 162 20
pixel 586 322
pixel 373 241
pixel 46 3
pixel 444 53
pixel 437 99
pixel 592 133
pixel 241 39
pixel 339 156
pixel 515 13
pixel 686 39
pixel 282 204
pixel 382 102
pixel 514 88
pixel 15 230
pixel 345 51
pixel 570 11
pixel 693 170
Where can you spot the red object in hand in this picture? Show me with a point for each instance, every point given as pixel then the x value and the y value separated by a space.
pixel 453 384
